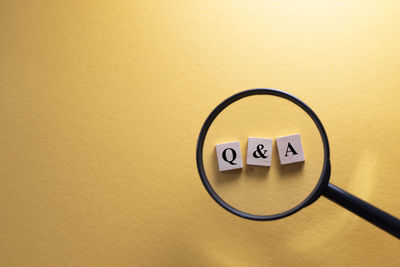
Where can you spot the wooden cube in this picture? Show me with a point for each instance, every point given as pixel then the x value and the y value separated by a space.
pixel 290 149
pixel 229 156
pixel 259 151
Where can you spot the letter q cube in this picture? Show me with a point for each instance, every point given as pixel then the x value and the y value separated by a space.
pixel 229 156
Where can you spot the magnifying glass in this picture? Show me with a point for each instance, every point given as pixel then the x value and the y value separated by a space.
pixel 275 192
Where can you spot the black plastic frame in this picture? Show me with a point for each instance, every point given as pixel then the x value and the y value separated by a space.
pixel 325 174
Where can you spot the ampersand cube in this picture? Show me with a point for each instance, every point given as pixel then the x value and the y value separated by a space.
pixel 229 156
pixel 290 149
pixel 259 151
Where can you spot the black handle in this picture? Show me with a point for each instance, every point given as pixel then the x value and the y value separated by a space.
pixel 383 220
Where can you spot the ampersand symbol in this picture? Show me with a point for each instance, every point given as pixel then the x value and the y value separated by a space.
pixel 259 153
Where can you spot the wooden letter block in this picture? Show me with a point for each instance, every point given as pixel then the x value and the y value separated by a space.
pixel 229 156
pixel 259 151
pixel 290 149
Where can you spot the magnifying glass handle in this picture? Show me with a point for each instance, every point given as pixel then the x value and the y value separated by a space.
pixel 383 220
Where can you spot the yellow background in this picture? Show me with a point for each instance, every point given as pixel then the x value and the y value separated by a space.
pixel 101 103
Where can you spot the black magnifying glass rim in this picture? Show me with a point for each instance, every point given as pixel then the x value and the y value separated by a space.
pixel 325 174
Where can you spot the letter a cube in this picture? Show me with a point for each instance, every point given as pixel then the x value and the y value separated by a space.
pixel 290 149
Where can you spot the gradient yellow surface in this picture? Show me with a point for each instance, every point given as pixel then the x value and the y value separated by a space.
pixel 101 104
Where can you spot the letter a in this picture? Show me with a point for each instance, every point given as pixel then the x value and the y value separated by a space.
pixel 290 149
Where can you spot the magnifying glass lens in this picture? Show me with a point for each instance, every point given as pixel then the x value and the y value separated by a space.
pixel 260 190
